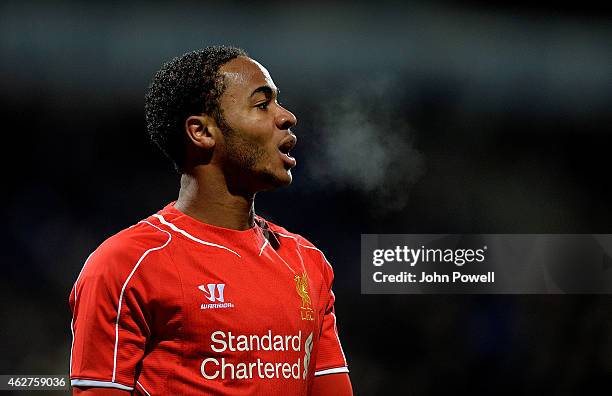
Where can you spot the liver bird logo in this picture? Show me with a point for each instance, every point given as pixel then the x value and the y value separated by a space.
pixel 301 286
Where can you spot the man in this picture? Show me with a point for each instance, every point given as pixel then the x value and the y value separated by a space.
pixel 206 297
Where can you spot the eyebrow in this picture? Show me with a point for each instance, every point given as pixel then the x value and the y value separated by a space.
pixel 266 90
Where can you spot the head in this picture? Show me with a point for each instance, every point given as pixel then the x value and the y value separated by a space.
pixel 219 108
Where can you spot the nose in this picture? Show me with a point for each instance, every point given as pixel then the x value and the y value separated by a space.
pixel 285 119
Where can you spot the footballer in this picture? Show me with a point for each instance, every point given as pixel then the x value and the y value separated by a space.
pixel 205 297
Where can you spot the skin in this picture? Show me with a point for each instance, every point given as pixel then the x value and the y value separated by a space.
pixel 228 162
pixel 226 168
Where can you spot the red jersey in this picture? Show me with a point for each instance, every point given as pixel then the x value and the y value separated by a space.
pixel 174 306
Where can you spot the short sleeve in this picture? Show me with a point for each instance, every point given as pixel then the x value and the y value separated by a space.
pixel 110 322
pixel 330 356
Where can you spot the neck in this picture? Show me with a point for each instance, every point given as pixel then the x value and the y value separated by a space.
pixel 208 199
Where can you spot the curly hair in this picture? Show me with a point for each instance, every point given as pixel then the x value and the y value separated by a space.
pixel 187 85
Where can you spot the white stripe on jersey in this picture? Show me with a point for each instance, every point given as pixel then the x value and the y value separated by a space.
pixel 75 301
pixel 99 384
pixel 143 388
pixel 338 337
pixel 176 229
pixel 123 290
pixel 263 246
pixel 306 246
pixel 332 371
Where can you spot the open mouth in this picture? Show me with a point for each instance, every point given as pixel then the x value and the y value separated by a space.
pixel 285 148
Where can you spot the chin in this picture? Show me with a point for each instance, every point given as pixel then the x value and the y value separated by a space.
pixel 288 177
pixel 283 180
pixel 273 180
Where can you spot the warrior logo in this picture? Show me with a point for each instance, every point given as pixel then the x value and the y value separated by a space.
pixel 210 291
pixel 217 299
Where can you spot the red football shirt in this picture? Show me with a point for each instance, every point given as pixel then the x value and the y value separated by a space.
pixel 174 306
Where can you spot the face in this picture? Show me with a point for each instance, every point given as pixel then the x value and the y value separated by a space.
pixel 256 128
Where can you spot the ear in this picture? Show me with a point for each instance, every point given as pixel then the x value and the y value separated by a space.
pixel 202 130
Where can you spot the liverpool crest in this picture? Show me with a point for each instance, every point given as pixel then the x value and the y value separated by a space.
pixel 301 285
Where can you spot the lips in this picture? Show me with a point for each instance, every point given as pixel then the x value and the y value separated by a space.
pixel 285 147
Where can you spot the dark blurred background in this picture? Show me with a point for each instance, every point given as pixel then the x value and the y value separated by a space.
pixel 418 117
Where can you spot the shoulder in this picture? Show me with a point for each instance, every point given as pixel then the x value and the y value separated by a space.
pixel 303 245
pixel 283 233
pixel 121 253
pixel 134 241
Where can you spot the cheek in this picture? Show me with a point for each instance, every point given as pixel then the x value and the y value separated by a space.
pixel 247 153
pixel 253 138
pixel 261 141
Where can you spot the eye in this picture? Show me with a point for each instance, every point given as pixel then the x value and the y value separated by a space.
pixel 263 106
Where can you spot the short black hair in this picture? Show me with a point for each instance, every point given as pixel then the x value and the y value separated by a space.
pixel 188 84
